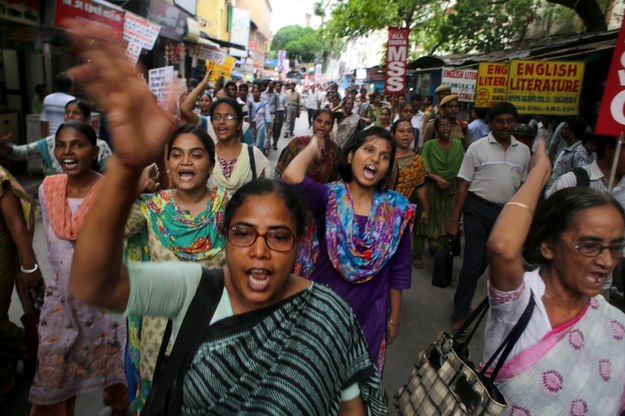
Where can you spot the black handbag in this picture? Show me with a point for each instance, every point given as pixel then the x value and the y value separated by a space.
pixel 445 382
pixel 443 267
pixel 165 398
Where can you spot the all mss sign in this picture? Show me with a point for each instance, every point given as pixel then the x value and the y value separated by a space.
pixel 545 87
pixel 396 61
pixel 611 119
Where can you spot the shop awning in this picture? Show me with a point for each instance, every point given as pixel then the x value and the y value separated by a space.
pixel 222 43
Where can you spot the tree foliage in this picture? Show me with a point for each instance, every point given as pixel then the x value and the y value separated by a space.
pixel 304 43
pixel 458 26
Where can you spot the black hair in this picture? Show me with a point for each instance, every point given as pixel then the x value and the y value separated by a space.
pixel 374 94
pixel 556 214
pixel 84 108
pixel 588 137
pixel 82 128
pixel 229 83
pixel 63 82
pixel 406 104
pixel 324 111
pixel 502 108
pixel 481 112
pixel 198 132
pixel 355 142
pixel 264 186
pixel 39 88
pixel 397 123
pixel 578 125
pixel 438 118
pixel 416 97
pixel 602 142
pixel 232 103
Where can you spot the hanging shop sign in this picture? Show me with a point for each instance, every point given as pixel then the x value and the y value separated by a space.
pixel 396 61
pixel 545 87
pixel 240 33
pixel 462 82
pixel 25 12
pixel 491 85
pixel 209 53
pixel 173 21
pixel 611 120
pixel 90 11
pixel 140 34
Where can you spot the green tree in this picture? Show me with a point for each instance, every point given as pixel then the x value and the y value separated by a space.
pixel 451 26
pixel 304 43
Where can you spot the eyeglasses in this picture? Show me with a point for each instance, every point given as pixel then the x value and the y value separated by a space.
pixel 277 239
pixel 226 117
pixel 594 248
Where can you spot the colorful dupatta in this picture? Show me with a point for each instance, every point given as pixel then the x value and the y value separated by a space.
pixel 359 254
pixel 64 224
pixel 26 202
pixel 189 238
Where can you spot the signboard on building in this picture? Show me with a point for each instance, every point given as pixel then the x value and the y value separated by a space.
pixel 172 20
pixel 208 53
pixel 283 64
pixel 25 12
pixel 491 85
pixel 91 12
pixel 239 30
pixel 140 34
pixel 462 82
pixel 611 120
pixel 396 61
pixel 545 87
pixel 190 6
pixel 161 82
pixel 317 73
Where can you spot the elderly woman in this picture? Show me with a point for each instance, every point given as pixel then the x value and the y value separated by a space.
pixel 269 327
pixel 568 358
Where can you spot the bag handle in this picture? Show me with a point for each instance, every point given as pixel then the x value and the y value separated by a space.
pixel 510 340
pixel 250 151
pixel 201 311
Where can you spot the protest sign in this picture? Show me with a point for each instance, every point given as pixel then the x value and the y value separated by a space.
pixel 219 70
pixel 611 119
pixel 545 87
pixel 490 88
pixel 161 82
pixel 140 34
pixel 462 82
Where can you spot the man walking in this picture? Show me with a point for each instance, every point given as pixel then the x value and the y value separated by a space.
pixel 280 109
pixel 293 104
pixel 492 171
pixel 313 102
pixel 441 91
pixel 271 98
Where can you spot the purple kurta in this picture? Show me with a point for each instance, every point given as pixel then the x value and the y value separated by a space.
pixel 369 300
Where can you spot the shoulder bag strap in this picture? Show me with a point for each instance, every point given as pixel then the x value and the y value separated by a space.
pixel 510 340
pixel 201 311
pixel 250 150
pixel 582 177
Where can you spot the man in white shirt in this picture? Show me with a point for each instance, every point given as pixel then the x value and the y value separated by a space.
pixel 312 104
pixel 53 113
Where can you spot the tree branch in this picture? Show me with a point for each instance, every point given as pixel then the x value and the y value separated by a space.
pixel 588 10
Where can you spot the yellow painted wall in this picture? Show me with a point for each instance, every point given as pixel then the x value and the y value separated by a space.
pixel 215 15
pixel 260 12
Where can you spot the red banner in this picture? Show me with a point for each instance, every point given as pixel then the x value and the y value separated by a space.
pixel 396 61
pixel 90 11
pixel 611 119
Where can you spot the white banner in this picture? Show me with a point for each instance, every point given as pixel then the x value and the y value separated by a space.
pixel 462 82
pixel 161 81
pixel 208 53
pixel 140 34
pixel 240 31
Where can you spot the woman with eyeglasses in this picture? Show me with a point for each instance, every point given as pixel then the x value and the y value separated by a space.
pixel 569 358
pixel 278 344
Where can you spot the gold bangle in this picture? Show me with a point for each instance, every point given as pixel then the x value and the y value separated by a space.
pixel 522 205
pixel 390 321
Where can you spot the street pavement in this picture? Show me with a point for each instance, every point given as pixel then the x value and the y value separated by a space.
pixel 426 310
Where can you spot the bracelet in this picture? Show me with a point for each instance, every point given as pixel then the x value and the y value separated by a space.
pixel 522 205
pixel 33 270
pixel 390 321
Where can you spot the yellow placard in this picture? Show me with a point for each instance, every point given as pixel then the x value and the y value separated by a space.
pixel 492 79
pixel 545 87
pixel 219 70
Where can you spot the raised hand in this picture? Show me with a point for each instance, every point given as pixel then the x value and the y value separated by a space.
pixel 138 125
pixel 541 161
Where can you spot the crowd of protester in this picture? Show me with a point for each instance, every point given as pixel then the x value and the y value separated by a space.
pixel 306 261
